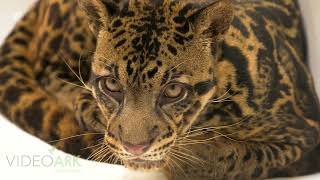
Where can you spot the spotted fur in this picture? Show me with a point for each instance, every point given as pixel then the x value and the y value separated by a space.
pixel 248 108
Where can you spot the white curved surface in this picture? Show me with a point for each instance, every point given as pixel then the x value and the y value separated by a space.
pixel 23 156
pixel 18 148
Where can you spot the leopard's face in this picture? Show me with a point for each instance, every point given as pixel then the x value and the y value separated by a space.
pixel 153 72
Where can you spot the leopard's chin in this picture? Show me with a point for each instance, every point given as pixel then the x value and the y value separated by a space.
pixel 144 165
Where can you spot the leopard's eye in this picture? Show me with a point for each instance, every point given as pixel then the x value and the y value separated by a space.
pixel 110 84
pixel 174 90
pixel 111 87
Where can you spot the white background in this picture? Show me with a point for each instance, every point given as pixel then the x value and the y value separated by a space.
pixel 16 144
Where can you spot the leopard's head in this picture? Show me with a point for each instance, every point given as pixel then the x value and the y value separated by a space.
pixel 153 71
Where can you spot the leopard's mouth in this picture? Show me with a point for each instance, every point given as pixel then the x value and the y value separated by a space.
pixel 141 164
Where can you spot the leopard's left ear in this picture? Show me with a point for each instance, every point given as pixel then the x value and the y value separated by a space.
pixel 213 19
pixel 101 12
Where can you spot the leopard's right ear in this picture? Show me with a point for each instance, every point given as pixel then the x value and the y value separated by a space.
pixel 101 12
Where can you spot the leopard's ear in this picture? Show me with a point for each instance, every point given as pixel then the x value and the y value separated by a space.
pixel 101 12
pixel 213 19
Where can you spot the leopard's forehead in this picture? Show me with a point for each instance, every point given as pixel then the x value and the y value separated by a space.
pixel 145 41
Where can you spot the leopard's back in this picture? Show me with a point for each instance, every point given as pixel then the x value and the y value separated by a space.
pixel 37 85
pixel 265 62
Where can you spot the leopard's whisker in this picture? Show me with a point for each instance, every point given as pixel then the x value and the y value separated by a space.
pixel 221 101
pixel 183 159
pixel 80 74
pixel 94 152
pixel 223 95
pixel 121 161
pixel 109 158
pixel 100 139
pixel 185 143
pixel 196 140
pixel 97 154
pixel 224 99
pixel 70 68
pixel 178 165
pixel 100 156
pixel 198 133
pixel 168 165
pixel 104 154
pixel 92 80
pixel 189 156
pixel 117 160
pixel 73 84
pixel 201 133
pixel 181 147
pixel 75 136
pixel 90 147
pixel 114 161
pixel 176 66
pixel 195 129
pixel 105 62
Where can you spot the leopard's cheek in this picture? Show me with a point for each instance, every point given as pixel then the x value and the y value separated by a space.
pixel 184 113
pixel 178 111
pixel 107 105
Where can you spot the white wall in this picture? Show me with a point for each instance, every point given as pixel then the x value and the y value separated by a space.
pixel 10 12
pixel 311 11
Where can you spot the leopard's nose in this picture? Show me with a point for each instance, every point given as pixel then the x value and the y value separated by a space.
pixel 136 149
